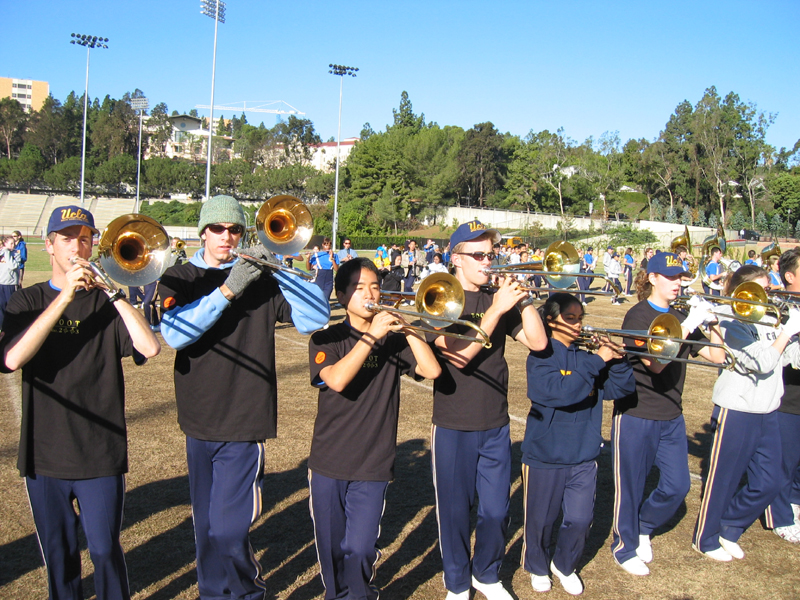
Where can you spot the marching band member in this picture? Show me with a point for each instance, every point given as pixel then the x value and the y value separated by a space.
pixel 566 387
pixel 783 514
pixel 68 335
pixel 648 427
pixel 220 314
pixel 747 434
pixel 357 365
pixel 471 444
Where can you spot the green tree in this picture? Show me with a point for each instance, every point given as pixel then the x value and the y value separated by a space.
pixel 65 176
pixel 28 168
pixel 12 125
pixel 404 117
pixel 784 191
pixel 50 130
pixel 159 130
pixel 115 174
pixel 480 162
pixel 115 129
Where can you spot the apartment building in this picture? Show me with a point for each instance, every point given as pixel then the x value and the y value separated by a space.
pixel 28 92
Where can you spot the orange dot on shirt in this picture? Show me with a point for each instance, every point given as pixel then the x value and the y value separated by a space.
pixel 168 302
pixel 639 342
pixel 319 358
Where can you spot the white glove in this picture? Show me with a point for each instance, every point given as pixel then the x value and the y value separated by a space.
pixel 792 326
pixel 700 313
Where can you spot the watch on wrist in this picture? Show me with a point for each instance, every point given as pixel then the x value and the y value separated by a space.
pixel 118 295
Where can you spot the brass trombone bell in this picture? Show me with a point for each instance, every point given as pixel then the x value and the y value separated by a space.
pixel 284 225
pixel 663 339
pixel 749 303
pixel 439 302
pixel 134 250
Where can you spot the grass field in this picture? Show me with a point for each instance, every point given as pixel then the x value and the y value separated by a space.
pixel 158 536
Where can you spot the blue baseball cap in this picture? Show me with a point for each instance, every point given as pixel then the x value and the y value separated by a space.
pixel 470 231
pixel 67 216
pixel 667 264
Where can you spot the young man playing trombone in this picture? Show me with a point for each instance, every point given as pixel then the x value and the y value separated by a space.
pixel 220 314
pixel 471 446
pixel 68 335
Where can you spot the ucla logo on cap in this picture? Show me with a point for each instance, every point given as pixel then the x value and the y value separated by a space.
pixel 673 261
pixel 67 214
pixel 476 226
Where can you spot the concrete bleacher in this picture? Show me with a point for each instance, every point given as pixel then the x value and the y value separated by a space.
pixel 21 211
pixel 106 210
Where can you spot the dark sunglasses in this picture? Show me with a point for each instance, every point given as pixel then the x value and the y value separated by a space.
pixel 479 256
pixel 219 229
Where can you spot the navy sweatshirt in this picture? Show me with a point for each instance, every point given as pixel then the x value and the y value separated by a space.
pixel 566 387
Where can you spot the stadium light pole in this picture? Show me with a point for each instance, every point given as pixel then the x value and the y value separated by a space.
pixel 216 10
pixel 140 104
pixel 90 41
pixel 341 71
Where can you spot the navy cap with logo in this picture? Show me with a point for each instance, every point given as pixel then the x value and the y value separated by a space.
pixel 470 231
pixel 667 264
pixel 67 216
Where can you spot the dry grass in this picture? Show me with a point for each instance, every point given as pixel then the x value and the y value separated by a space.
pixel 158 535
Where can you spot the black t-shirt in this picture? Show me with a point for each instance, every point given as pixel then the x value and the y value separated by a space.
pixel 657 396
pixel 225 382
pixel 790 403
pixel 355 432
pixel 475 398
pixel 73 392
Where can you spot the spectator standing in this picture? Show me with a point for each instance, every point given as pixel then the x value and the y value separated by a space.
pixel 613 271
pixel 347 252
pixel 587 266
pixel 413 262
pixel 628 266
pixel 68 335
pixel 22 252
pixel 9 265
pixel 648 254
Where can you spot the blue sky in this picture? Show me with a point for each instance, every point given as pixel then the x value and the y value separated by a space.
pixel 586 66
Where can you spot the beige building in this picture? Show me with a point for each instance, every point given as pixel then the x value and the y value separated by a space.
pixel 31 94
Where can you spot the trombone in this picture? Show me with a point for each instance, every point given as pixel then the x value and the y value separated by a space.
pixel 560 268
pixel 439 302
pixel 664 338
pixel 749 303
pixel 284 226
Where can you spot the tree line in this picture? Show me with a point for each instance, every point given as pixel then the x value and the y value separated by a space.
pixel 710 164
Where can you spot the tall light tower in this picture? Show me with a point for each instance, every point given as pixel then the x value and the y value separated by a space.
pixel 140 104
pixel 341 71
pixel 90 41
pixel 216 10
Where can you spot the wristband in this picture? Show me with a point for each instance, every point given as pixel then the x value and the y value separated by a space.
pixel 118 295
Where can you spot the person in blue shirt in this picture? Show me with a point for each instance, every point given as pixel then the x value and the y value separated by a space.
pixel 347 252
pixel 566 386
pixel 21 249
pixel 751 258
pixel 775 282
pixel 714 272
pixel 628 264
pixel 588 262
pixel 325 262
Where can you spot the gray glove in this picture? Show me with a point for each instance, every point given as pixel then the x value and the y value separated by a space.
pixel 259 251
pixel 242 274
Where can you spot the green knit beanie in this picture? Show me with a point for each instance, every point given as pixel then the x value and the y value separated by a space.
pixel 221 209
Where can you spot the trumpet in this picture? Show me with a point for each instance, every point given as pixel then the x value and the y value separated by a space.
pixel 664 338
pixel 283 226
pixel 560 268
pixel 439 302
pixel 749 302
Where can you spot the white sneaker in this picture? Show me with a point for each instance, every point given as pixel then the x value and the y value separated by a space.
pixel 454 596
pixel 732 548
pixel 796 511
pixel 634 566
pixel 645 549
pixel 492 591
pixel 572 584
pixel 790 533
pixel 719 554
pixel 540 583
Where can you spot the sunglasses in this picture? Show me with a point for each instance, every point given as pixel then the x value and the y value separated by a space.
pixel 218 229
pixel 479 256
